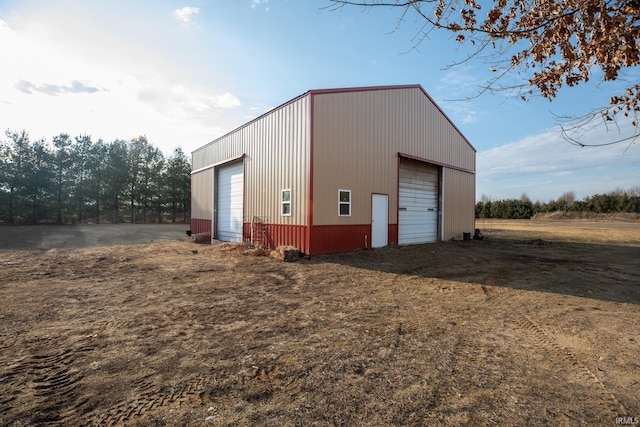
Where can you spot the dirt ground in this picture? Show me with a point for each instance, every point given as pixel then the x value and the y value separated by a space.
pixel 538 324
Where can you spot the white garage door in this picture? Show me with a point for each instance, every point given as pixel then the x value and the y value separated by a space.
pixel 418 203
pixel 230 198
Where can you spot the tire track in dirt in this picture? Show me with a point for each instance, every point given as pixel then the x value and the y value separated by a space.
pixel 475 391
pixel 444 355
pixel 539 336
pixel 151 397
pixel 8 341
pixel 464 352
pixel 52 380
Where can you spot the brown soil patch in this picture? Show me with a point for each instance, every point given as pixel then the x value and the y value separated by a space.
pixel 509 330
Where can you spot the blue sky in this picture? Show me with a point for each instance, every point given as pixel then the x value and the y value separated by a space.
pixel 186 72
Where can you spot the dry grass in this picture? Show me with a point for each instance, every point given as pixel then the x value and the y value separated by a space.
pixel 592 231
pixel 523 328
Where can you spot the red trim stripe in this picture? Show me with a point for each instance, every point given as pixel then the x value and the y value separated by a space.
pixel 327 239
pixel 199 225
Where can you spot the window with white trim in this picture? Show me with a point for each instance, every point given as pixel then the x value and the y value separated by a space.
pixel 285 202
pixel 344 202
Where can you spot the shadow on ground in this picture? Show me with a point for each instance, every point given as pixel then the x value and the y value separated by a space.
pixel 605 272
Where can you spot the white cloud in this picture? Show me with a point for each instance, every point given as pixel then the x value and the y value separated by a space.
pixel 47 89
pixel 261 108
pixel 460 111
pixel 548 152
pixel 470 118
pixel 460 83
pixel 184 14
pixel 227 100
pixel 5 31
pixel 256 3
pixel 545 165
pixel 184 101
pixel 76 86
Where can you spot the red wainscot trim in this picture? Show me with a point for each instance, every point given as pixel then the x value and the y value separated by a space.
pixel 274 235
pixel 327 239
pixel 200 225
pixel 392 237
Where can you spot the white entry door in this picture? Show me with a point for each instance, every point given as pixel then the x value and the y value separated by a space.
pixel 379 220
pixel 230 202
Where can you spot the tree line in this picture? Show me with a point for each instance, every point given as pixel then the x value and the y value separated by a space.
pixel 618 201
pixel 78 180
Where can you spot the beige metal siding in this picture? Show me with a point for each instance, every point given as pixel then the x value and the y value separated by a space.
pixel 459 203
pixel 201 195
pixel 276 152
pixel 357 137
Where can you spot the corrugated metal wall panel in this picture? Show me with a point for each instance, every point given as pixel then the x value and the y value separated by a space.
pixel 276 149
pixel 274 235
pixel 357 138
pixel 277 159
pixel 326 239
pixel 200 226
pixel 459 203
pixel 201 195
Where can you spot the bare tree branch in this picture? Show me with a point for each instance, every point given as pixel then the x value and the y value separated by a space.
pixel 543 44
